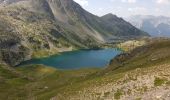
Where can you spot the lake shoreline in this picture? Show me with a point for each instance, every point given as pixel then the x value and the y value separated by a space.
pixel 76 59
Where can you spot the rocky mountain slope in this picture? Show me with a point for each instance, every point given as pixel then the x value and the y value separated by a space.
pixel 31 28
pixel 142 74
pixel 119 27
pixel 158 26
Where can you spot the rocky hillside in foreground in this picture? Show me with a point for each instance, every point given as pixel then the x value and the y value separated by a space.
pixel 157 26
pixel 31 28
pixel 142 74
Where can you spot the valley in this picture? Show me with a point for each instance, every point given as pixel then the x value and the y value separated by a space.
pixel 57 50
pixel 134 69
pixel 45 27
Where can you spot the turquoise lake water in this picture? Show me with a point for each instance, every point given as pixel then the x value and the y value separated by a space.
pixel 78 59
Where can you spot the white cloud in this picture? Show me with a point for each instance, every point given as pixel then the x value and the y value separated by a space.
pixel 100 9
pixel 82 2
pixel 138 10
pixel 163 1
pixel 129 1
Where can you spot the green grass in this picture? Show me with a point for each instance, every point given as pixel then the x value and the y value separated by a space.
pixel 118 94
pixel 138 98
pixel 159 81
pixel 142 58
pixel 66 82
pixel 43 82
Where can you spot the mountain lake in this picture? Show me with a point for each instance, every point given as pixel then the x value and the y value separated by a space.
pixel 77 59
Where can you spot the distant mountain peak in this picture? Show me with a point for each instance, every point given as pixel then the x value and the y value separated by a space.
pixel 154 25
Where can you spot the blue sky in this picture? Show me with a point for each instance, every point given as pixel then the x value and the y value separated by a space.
pixel 125 8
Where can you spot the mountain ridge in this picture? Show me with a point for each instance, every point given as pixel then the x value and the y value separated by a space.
pixel 48 26
pixel 157 26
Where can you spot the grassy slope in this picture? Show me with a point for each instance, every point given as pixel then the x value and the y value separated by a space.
pixel 37 81
pixel 127 72
pixel 156 52
pixel 44 82
pixel 149 61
